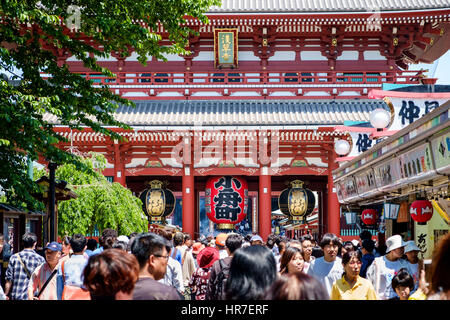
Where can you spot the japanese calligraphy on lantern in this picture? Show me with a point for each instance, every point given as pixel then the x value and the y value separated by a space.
pixel 226 200
pixel 409 110
pixel 225 48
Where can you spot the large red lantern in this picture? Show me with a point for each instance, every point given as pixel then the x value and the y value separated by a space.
pixel 421 211
pixel 369 217
pixel 226 200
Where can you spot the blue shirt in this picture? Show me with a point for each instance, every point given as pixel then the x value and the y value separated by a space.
pixel 367 260
pixel 73 273
pixel 97 251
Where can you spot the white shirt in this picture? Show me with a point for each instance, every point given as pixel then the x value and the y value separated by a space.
pixel 381 272
pixel 223 254
pixel 174 275
pixel 326 272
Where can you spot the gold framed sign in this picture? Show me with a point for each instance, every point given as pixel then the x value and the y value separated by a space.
pixel 226 48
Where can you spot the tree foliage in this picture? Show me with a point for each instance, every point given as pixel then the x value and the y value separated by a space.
pixel 100 203
pixel 36 35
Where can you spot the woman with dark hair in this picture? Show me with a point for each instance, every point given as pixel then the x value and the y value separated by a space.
pixel 351 286
pixel 111 275
pixel 252 272
pixel 402 284
pixel 296 286
pixel 292 261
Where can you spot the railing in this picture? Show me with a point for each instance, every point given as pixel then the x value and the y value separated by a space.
pixel 235 78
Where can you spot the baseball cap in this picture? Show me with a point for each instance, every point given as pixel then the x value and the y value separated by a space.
pixel 54 246
pixel 123 239
pixel 411 246
pixel 221 238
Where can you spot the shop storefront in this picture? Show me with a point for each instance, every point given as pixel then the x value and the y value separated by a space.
pixel 404 179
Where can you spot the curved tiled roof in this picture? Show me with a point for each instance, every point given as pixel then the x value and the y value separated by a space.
pixel 246 112
pixel 302 6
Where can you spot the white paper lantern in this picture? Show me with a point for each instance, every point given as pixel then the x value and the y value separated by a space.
pixel 342 147
pixel 380 118
pixel 391 211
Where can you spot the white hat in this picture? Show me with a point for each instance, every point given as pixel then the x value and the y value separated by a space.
pixel 411 246
pixel 355 242
pixel 256 238
pixel 394 242
pixel 123 239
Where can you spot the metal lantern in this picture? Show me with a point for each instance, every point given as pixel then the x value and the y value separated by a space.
pixel 421 211
pixel 158 202
pixel 226 200
pixel 369 217
pixel 391 210
pixel 296 201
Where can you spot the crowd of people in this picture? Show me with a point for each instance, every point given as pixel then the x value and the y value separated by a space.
pixel 163 265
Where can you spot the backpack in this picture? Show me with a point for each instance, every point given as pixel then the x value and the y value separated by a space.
pixel 222 277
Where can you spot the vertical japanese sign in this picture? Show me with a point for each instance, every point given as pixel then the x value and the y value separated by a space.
pixel 226 48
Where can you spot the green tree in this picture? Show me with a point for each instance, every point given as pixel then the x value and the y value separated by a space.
pixel 35 35
pixel 100 203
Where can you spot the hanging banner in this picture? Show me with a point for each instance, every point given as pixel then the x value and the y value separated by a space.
pixel 226 48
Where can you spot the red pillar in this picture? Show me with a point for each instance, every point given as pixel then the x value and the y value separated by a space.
pixel 119 166
pixel 333 203
pixel 265 204
pixel 188 200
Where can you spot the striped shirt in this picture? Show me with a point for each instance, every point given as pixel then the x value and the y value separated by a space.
pixel 17 274
pixel 38 279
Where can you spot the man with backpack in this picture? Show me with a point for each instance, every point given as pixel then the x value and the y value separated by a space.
pixel 221 268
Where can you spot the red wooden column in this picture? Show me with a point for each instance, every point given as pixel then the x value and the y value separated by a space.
pixel 333 207
pixel 188 200
pixel 119 166
pixel 265 203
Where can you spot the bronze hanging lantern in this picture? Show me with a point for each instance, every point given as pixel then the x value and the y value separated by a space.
pixel 297 202
pixel 158 202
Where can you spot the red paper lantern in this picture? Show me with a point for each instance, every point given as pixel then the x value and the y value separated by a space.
pixel 369 217
pixel 226 200
pixel 421 211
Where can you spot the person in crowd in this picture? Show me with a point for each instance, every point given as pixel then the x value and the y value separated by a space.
pixel 328 269
pixel 107 239
pixel 295 243
pixel 415 265
pixel 111 275
pixel 221 269
pixel 151 253
pixel 292 261
pixel 252 272
pixel 246 242
pixel 317 251
pixel 5 253
pixel 66 249
pixel 402 284
pixel 187 264
pixel 307 247
pixel 69 282
pixel 91 245
pixel 174 273
pixel 220 245
pixel 196 248
pixel 177 249
pixel 281 249
pixel 256 240
pixel 45 275
pixel 120 245
pixel 131 237
pixel 367 249
pixel 352 286
pixel 20 268
pixel 187 241
pixel 200 278
pixel 383 268
pixel 296 286
pixel 346 247
pixel 440 266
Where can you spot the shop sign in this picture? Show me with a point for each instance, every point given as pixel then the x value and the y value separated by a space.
pixel 387 174
pixel 415 162
pixel 441 153
pixel 365 182
pixel 409 110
